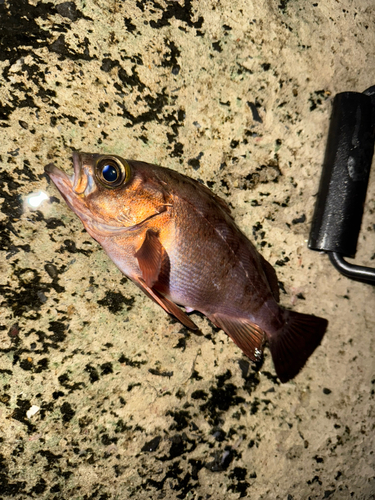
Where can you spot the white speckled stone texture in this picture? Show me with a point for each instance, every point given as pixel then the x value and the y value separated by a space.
pixel 130 404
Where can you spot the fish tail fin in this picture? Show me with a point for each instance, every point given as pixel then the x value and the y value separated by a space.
pixel 294 343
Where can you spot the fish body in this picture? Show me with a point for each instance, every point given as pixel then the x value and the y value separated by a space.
pixel 178 242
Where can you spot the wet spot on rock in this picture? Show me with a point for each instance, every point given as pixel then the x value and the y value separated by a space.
pixel 129 25
pixel 115 301
pixel 53 223
pixel 70 246
pixel 223 396
pixel 29 295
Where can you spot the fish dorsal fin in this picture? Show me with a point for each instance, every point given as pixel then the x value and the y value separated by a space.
pixel 166 304
pixel 248 336
pixel 271 276
pixel 149 257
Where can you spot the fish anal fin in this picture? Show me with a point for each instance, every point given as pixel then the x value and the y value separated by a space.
pixel 149 257
pixel 271 276
pixel 295 342
pixel 248 336
pixel 166 304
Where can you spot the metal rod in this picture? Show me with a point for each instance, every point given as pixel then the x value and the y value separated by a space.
pixel 359 273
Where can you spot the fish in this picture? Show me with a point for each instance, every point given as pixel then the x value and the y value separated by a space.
pixel 178 242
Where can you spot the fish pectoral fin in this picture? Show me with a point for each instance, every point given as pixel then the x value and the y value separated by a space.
pixel 247 335
pixel 149 257
pixel 167 305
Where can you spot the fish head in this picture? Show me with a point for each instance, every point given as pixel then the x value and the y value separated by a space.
pixel 108 193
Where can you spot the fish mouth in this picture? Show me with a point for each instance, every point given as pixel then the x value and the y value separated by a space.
pixel 77 168
pixel 62 181
pixel 79 183
pixel 65 184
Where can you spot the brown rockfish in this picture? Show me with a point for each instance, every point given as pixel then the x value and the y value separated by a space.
pixel 177 241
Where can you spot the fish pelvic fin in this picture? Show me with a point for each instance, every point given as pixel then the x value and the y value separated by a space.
pixel 294 343
pixel 248 336
pixel 166 304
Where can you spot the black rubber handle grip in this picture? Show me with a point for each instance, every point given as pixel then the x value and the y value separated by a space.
pixel 343 184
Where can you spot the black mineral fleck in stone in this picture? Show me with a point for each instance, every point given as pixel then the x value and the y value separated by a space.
pixel 159 373
pixel 134 364
pixel 299 220
pixel 239 485
pixel 51 270
pixel 129 25
pixel 221 460
pixel 173 10
pixel 67 411
pixel 64 380
pixel 217 46
pixel 106 368
pixel 181 419
pixel 93 373
pixel 152 445
pixel 69 10
pixel 199 394
pixel 255 112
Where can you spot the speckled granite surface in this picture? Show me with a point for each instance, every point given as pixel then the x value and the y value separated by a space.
pixel 102 394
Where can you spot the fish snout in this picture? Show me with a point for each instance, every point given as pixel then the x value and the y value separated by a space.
pixel 83 181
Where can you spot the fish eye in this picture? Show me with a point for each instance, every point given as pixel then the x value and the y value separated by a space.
pixel 110 172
